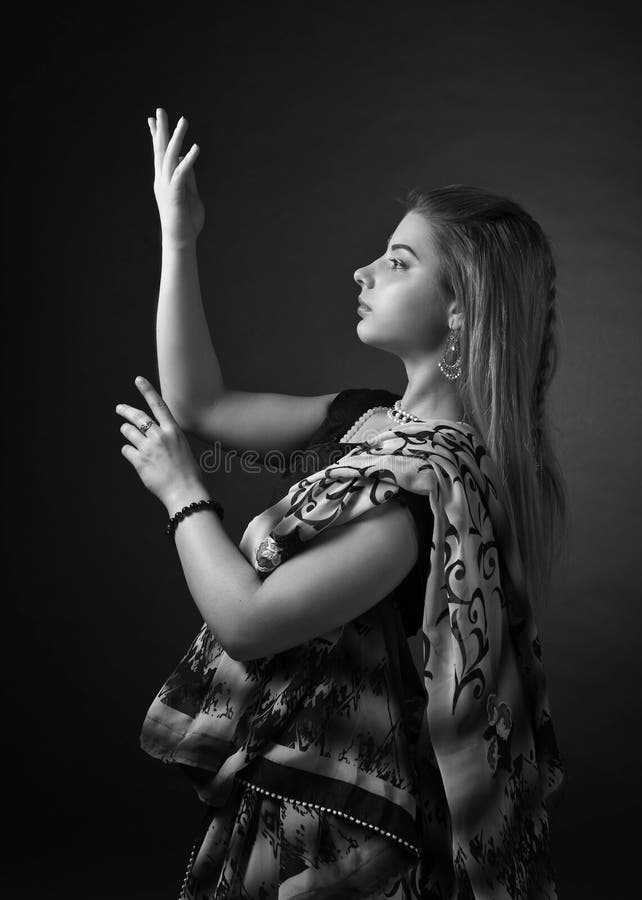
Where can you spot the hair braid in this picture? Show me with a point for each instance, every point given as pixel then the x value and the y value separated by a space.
pixel 546 368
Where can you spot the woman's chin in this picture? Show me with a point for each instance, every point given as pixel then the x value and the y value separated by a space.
pixel 367 336
pixel 360 331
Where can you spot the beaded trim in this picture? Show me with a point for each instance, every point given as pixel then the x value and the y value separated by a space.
pixel 335 812
pixel 363 418
pixel 190 863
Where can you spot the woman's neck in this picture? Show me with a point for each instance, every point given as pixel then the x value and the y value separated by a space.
pixel 430 395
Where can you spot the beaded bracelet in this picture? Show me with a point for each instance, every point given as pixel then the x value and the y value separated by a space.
pixel 188 510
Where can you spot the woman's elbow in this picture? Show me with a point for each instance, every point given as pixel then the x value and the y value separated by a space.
pixel 234 641
pixel 245 644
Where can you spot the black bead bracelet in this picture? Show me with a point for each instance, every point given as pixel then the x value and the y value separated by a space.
pixel 188 510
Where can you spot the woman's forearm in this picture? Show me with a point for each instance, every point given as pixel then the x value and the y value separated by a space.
pixel 220 579
pixel 189 372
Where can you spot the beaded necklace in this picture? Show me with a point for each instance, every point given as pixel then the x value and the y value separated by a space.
pixel 396 413
pixel 347 437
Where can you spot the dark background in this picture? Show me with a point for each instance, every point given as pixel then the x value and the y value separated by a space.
pixel 311 119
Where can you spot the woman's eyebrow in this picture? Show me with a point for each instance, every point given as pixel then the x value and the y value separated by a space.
pixel 402 247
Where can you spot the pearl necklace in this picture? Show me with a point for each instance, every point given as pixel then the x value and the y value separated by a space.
pixel 400 415
pixel 364 418
pixel 396 413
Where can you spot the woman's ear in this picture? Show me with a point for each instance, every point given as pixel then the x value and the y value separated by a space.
pixel 455 315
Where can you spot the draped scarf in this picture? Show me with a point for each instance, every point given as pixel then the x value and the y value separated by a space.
pixel 487 771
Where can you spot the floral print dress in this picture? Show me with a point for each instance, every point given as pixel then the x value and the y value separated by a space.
pixel 316 767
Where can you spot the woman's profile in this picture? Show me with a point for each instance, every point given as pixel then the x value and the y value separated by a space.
pixel 330 762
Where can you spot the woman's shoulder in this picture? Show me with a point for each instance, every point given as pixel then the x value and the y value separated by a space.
pixel 346 407
pixel 357 397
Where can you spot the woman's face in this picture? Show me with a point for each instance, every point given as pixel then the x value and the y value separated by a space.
pixel 406 310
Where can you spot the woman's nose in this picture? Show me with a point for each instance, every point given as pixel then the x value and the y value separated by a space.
pixel 360 277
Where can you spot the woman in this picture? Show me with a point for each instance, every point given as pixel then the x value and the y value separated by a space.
pixel 330 763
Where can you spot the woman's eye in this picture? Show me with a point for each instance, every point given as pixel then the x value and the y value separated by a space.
pixel 400 264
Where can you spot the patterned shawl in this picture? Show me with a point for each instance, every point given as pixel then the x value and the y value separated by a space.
pixel 486 770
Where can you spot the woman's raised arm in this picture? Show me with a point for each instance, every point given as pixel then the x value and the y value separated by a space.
pixel 189 372
pixel 190 376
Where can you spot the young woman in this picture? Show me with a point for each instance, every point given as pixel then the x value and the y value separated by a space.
pixel 330 763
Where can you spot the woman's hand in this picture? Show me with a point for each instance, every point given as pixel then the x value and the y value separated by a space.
pixel 180 208
pixel 161 454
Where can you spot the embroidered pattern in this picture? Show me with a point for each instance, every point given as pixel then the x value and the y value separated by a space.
pixel 475 756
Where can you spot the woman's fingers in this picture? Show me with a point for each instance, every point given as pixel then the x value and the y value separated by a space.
pixel 155 402
pixel 167 161
pixel 133 435
pixel 151 121
pixel 191 180
pixel 184 167
pixel 161 138
pixel 173 148
pixel 189 176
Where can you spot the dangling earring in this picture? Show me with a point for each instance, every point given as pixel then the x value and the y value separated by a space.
pixel 452 370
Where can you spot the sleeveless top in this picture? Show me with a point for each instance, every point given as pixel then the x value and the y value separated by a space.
pixel 325 448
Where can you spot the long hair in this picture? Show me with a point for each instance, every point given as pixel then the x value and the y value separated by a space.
pixel 496 261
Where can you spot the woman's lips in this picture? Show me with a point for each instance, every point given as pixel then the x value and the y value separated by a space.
pixel 362 310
